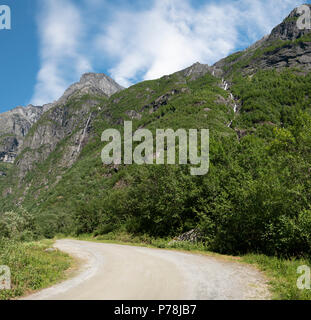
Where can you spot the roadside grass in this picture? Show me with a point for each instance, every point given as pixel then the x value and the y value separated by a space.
pixel 32 268
pixel 281 273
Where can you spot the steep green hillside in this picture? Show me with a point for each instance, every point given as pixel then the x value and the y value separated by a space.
pixel 271 98
pixel 171 102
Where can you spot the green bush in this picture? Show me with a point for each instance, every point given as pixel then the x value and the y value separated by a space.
pixel 18 225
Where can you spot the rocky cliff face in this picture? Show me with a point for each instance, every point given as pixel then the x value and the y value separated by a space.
pixel 63 123
pixel 196 71
pixel 288 29
pixel 96 84
pixel 15 124
pixel 286 46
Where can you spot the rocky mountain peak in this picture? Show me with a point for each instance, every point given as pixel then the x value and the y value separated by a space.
pixel 92 83
pixel 197 70
pixel 16 123
pixel 288 29
pixel 14 126
pixel 101 81
pixel 287 46
pixel 31 113
pixel 18 120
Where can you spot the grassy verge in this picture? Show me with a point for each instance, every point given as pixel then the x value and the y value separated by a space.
pixel 32 268
pixel 281 273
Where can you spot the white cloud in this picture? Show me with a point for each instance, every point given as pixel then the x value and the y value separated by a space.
pixel 166 38
pixel 144 42
pixel 172 34
pixel 61 33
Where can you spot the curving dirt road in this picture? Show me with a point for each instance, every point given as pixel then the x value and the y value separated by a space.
pixel 115 272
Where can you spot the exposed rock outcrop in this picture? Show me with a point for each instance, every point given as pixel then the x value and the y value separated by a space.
pixel 96 84
pixel 15 124
pixel 288 29
pixel 59 123
pixel 286 46
pixel 192 236
pixel 199 70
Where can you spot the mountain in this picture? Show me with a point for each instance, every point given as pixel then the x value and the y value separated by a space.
pixel 15 124
pixel 286 46
pixel 255 197
pixel 90 83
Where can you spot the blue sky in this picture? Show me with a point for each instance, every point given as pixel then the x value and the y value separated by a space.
pixel 52 42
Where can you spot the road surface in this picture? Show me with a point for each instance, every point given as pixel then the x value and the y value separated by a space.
pixel 116 272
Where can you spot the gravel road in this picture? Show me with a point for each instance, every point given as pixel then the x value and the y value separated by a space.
pixel 116 272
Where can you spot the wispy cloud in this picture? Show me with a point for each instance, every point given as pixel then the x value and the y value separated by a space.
pixel 172 34
pixel 144 41
pixel 61 33
pixel 169 36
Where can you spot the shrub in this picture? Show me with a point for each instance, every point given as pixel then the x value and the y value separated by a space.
pixel 18 225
